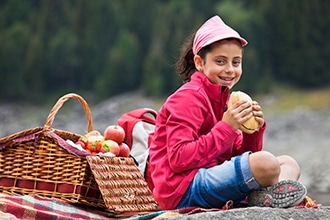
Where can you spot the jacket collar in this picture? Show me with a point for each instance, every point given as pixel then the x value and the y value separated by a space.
pixel 215 92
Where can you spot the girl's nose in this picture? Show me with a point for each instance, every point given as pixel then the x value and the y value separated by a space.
pixel 229 68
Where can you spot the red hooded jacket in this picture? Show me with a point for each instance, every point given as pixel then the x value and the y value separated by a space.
pixel 190 135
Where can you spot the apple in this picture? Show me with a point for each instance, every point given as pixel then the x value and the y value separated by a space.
pixel 96 138
pixel 115 133
pixel 81 143
pixel 95 143
pixel 124 150
pixel 93 133
pixel 110 146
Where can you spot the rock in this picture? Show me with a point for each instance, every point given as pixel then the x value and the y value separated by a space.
pixel 257 213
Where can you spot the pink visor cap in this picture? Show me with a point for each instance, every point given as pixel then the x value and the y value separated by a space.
pixel 214 30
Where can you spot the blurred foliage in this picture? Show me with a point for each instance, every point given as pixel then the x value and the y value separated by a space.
pixel 48 48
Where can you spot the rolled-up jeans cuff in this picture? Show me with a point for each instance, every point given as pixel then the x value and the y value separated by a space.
pixel 246 172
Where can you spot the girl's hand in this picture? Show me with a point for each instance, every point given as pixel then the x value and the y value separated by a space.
pixel 258 114
pixel 240 112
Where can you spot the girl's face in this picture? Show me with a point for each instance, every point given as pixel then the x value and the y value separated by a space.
pixel 223 64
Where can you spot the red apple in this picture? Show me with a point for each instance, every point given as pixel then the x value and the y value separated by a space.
pixel 124 150
pixel 93 133
pixel 95 138
pixel 115 133
pixel 110 146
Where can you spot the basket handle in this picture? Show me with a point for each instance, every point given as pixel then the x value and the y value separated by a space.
pixel 58 105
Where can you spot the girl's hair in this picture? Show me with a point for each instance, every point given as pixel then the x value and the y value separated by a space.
pixel 185 65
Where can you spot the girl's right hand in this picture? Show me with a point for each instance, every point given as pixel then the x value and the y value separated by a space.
pixel 237 114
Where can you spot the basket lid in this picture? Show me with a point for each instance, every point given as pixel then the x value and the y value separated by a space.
pixel 122 185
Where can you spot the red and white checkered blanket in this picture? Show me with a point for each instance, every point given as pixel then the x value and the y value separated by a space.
pixel 36 207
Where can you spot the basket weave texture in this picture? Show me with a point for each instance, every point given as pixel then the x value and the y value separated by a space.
pixel 40 161
pixel 122 184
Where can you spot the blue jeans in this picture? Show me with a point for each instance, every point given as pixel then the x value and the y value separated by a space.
pixel 213 187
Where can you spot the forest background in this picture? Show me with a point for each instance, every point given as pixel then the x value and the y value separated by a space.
pixel 103 48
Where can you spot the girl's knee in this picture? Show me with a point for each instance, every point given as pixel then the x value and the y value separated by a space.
pixel 265 168
pixel 289 161
pixel 289 166
pixel 264 160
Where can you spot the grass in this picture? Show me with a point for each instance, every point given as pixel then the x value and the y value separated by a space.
pixel 287 99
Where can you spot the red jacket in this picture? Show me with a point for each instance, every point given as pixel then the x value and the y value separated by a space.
pixel 190 135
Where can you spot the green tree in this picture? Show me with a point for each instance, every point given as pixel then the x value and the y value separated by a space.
pixel 106 47
pixel 12 51
pixel 296 37
pixel 119 74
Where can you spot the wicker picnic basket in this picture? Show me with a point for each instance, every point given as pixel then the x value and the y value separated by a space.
pixel 40 161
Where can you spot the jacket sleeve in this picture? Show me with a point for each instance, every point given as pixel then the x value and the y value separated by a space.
pixel 186 147
pixel 250 142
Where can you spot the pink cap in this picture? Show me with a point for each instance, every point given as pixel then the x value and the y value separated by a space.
pixel 214 30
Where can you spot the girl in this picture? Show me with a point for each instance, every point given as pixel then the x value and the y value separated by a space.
pixel 198 157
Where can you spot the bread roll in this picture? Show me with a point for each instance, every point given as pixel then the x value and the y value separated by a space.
pixel 250 125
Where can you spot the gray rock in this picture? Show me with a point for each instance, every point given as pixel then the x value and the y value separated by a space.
pixel 257 213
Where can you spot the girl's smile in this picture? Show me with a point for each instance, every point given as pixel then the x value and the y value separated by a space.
pixel 223 65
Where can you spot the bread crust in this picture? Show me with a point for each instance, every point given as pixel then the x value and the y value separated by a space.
pixel 251 125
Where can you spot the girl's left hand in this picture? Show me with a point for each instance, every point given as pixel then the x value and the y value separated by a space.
pixel 258 114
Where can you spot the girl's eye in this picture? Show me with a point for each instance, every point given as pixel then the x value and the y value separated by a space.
pixel 236 63
pixel 220 61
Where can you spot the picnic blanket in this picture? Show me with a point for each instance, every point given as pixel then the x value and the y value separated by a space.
pixel 37 207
